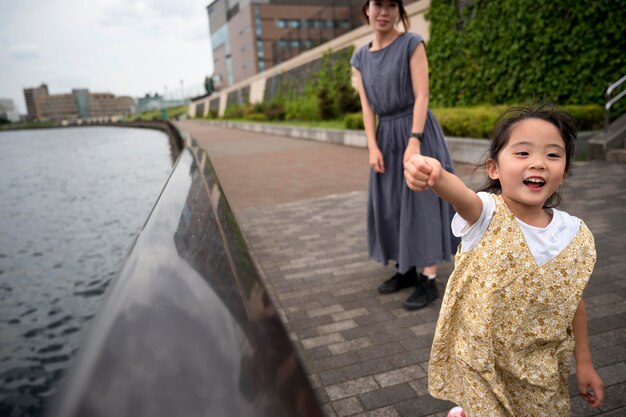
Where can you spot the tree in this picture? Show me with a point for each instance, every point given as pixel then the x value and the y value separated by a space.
pixel 209 85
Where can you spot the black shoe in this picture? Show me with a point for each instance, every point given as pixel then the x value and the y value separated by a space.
pixel 398 282
pixel 425 292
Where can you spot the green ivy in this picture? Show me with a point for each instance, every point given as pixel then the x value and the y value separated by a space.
pixel 511 51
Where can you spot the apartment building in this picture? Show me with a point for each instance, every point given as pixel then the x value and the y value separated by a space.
pixel 263 85
pixel 31 95
pixel 250 36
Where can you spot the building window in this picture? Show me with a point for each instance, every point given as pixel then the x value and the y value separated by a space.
pixel 288 23
pixel 232 12
pixel 259 39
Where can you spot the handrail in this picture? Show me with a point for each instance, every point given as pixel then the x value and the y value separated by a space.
pixel 611 101
pixel 188 327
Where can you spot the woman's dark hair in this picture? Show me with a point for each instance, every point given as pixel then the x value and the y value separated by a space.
pixel 404 17
pixel 502 133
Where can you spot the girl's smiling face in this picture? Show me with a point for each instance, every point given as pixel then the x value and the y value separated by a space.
pixel 531 166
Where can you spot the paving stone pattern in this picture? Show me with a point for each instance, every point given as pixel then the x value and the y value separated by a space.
pixel 365 355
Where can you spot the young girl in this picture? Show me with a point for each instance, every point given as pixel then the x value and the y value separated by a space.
pixel 409 228
pixel 513 312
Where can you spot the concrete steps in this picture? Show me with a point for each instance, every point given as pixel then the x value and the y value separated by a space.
pixel 610 145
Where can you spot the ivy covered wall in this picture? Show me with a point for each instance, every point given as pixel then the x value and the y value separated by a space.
pixel 513 51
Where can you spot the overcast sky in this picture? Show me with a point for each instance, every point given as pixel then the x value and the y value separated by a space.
pixel 125 47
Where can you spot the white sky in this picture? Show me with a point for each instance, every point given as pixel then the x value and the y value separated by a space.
pixel 124 47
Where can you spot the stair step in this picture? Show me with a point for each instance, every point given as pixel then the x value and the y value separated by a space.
pixel 616 155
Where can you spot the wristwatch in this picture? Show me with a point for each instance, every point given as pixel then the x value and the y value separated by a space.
pixel 418 135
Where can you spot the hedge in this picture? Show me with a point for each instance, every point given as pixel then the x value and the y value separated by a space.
pixel 513 51
pixel 479 121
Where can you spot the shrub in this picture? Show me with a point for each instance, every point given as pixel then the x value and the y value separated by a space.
pixel 275 112
pixel 353 121
pixel 303 108
pixel 587 117
pixel 347 100
pixel 256 117
pixel 479 121
pixel 471 122
pixel 258 107
pixel 326 107
pixel 234 112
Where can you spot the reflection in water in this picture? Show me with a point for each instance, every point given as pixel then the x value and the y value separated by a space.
pixel 72 201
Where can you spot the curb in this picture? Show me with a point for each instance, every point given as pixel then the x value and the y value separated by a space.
pixel 463 150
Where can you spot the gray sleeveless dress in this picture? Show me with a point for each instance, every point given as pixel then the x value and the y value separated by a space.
pixel 411 228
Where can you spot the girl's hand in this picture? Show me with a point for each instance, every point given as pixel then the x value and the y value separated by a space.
pixel 413 148
pixel 421 172
pixel 590 385
pixel 377 162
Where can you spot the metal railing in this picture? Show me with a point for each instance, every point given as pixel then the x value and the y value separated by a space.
pixel 610 101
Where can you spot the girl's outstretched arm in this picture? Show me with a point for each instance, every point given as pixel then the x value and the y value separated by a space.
pixel 590 385
pixel 422 172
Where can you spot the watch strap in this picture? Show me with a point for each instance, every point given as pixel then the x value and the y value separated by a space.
pixel 417 135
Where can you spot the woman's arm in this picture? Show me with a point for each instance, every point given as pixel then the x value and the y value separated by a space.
pixel 418 65
pixel 369 121
pixel 421 173
pixel 590 385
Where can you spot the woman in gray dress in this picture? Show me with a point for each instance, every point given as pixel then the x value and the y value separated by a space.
pixel 412 229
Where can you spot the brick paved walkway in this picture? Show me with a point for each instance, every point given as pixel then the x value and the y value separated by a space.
pixel 301 206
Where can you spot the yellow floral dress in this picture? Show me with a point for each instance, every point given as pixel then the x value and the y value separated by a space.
pixel 504 338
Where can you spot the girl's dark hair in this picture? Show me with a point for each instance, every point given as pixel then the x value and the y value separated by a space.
pixel 502 133
pixel 404 17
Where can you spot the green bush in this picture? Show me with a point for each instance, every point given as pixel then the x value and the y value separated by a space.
pixel 275 112
pixel 471 122
pixel 328 79
pixel 303 108
pixel 256 117
pixel 353 121
pixel 586 117
pixel 326 105
pixel 234 112
pixel 479 121
pixel 347 100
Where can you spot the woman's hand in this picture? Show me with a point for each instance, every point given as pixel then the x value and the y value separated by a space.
pixel 377 163
pixel 590 385
pixel 413 148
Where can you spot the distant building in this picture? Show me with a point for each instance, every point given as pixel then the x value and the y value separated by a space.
pixel 157 102
pixel 79 104
pixel 30 96
pixel 250 36
pixel 8 111
pixel 106 104
pixel 148 102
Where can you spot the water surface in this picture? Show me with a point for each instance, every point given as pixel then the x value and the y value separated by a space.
pixel 71 203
